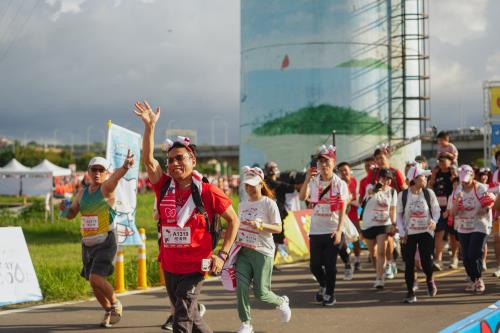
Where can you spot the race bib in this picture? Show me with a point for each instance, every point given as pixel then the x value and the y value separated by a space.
pixel 175 236
pixel 248 238
pixel 465 224
pixel 380 216
pixel 418 224
pixel 323 209
pixel 90 222
pixel 443 201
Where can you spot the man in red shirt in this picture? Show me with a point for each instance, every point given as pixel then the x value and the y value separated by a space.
pixel 363 183
pixel 186 241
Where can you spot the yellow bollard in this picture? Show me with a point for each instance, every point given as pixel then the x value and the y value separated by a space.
pixel 142 276
pixel 119 272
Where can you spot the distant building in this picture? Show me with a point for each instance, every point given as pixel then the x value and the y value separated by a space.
pixel 4 142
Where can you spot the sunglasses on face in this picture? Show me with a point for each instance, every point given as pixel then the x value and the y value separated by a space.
pixel 178 158
pixel 97 169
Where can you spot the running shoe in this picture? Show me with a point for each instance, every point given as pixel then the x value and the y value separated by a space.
pixel 410 298
pixel 497 273
pixel 388 272
pixel 431 288
pixel 106 320
pixel 284 310
pixel 357 266
pixel 379 284
pixel 202 309
pixel 169 324
pixel 394 268
pixel 485 267
pixel 116 312
pixel 479 286
pixel 348 273
pixel 320 294
pixel 454 263
pixel 436 267
pixel 245 328
pixel 329 300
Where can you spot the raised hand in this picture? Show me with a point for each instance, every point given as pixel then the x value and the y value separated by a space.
pixel 129 160
pixel 145 112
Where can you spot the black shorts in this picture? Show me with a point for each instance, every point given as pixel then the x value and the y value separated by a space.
pixel 373 232
pixel 98 259
pixel 442 224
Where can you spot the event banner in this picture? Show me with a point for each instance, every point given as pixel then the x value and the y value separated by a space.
pixel 495 101
pixel 18 281
pixel 120 140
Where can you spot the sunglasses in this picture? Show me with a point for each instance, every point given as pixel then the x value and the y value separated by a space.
pixel 96 170
pixel 178 158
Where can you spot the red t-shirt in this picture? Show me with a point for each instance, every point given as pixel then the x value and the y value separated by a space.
pixel 186 258
pixel 363 184
pixel 353 212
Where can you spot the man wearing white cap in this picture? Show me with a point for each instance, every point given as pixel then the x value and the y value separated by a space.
pixel 471 207
pixel 95 201
pixel 187 207
pixel 417 215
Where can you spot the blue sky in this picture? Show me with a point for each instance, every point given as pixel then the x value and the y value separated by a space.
pixel 67 66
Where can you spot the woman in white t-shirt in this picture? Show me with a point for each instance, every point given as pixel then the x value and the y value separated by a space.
pixel 471 208
pixel 259 219
pixel 379 219
pixel 417 214
pixel 329 195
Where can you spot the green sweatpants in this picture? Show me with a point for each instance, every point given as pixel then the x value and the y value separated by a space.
pixel 252 265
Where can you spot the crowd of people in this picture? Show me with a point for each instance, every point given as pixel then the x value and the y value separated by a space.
pixel 394 214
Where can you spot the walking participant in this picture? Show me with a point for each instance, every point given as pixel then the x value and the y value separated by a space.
pixel 94 202
pixel 328 193
pixel 471 209
pixel 381 156
pixel 441 183
pixel 379 219
pixel 187 207
pixel 494 187
pixel 345 173
pixel 417 214
pixel 260 219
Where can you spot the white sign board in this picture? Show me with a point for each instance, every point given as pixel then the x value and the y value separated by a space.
pixel 18 281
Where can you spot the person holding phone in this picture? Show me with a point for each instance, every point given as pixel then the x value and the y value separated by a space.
pixel 329 196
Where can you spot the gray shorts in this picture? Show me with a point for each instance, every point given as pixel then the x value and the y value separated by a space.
pixel 98 259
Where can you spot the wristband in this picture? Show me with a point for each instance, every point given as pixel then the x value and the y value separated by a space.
pixel 221 257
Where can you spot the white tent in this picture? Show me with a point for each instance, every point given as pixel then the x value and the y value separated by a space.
pixel 47 166
pixel 18 179
pixel 14 167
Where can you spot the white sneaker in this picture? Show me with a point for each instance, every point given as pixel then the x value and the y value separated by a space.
pixel 379 284
pixel 284 310
pixel 388 272
pixel 245 328
pixel 202 309
pixel 348 273
pixel 497 273
pixel 484 265
pixel 394 268
pixel 454 263
pixel 415 286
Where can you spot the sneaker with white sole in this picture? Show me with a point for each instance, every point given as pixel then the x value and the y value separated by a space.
pixel 471 286
pixel 105 322
pixel 116 312
pixel 348 273
pixel 415 285
pixel 454 263
pixel 432 288
pixel 284 310
pixel 320 294
pixel 394 268
pixel 485 267
pixel 202 309
pixel 168 325
pixel 497 273
pixel 436 267
pixel 410 298
pixel 388 272
pixel 245 328
pixel 379 284
pixel 329 300
pixel 479 286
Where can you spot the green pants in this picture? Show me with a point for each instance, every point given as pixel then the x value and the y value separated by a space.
pixel 252 265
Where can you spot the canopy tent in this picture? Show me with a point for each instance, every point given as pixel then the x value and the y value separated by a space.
pixel 14 167
pixel 47 166
pixel 18 179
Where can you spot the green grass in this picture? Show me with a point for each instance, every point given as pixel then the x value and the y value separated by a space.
pixel 55 249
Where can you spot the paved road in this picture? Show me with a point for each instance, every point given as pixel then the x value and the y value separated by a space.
pixel 359 308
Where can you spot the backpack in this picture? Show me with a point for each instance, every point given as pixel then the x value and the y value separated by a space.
pixel 213 227
pixel 427 196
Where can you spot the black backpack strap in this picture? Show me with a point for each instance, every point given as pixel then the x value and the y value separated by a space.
pixel 325 191
pixel 199 204
pixel 404 199
pixel 427 196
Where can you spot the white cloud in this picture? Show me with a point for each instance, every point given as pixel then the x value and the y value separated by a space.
pixel 493 66
pixel 65 7
pixel 455 22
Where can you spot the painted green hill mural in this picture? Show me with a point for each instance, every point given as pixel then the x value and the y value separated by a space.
pixel 322 119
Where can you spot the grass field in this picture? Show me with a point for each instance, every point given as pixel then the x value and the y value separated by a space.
pixel 55 249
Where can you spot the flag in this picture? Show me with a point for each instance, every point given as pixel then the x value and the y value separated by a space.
pixel 285 63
